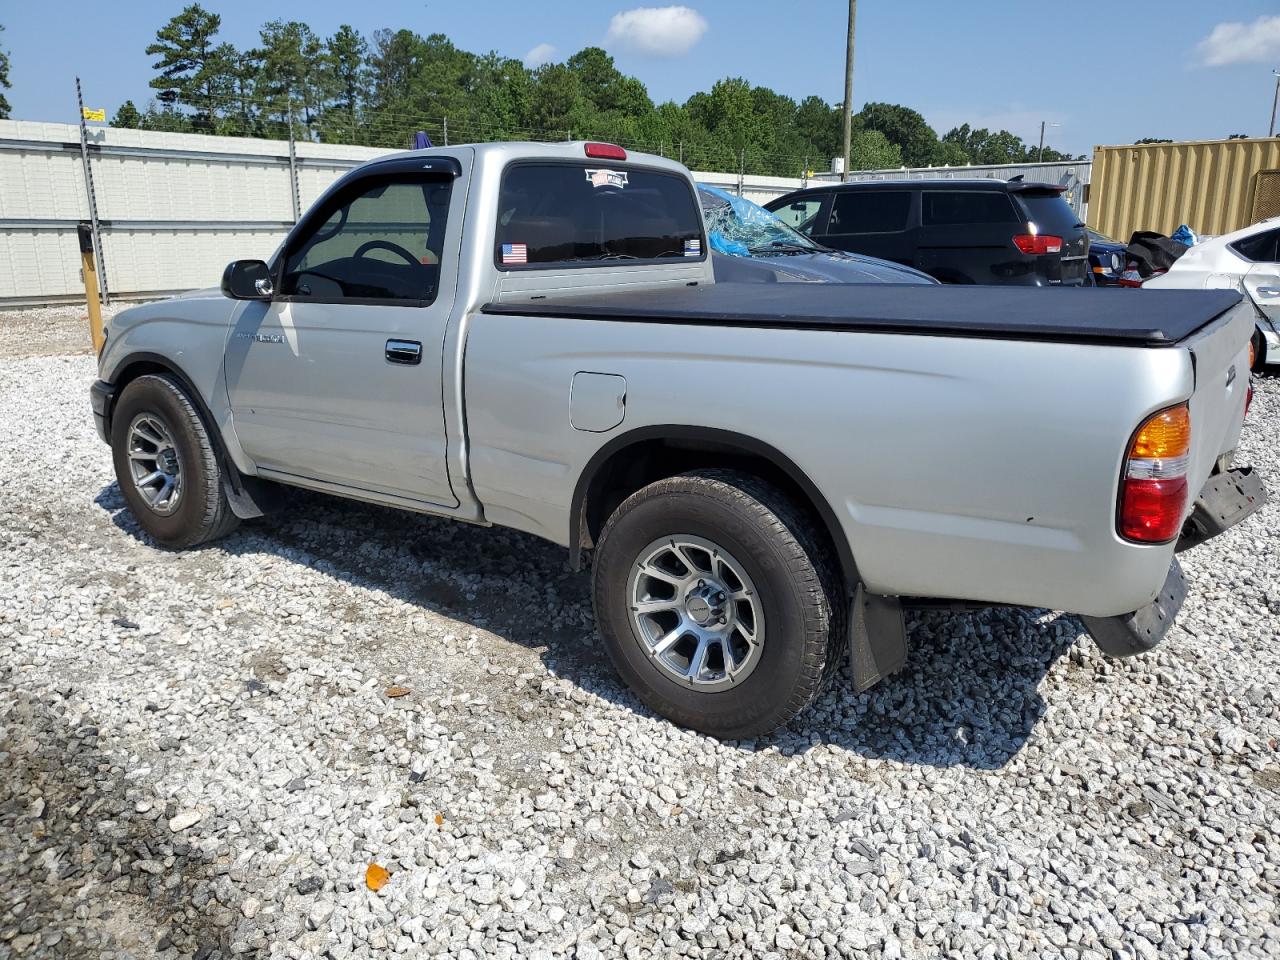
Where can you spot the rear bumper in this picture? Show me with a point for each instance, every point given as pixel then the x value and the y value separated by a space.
pixel 1224 501
pixel 101 397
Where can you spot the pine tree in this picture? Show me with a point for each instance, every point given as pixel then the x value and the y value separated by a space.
pixel 194 69
pixel 127 116
pixel 4 80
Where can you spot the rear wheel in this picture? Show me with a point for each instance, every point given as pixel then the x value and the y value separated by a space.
pixel 1259 350
pixel 718 602
pixel 167 466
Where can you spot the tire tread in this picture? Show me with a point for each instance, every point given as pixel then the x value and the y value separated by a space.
pixel 810 564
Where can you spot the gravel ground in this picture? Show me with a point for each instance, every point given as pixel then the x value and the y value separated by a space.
pixel 203 754
pixel 45 331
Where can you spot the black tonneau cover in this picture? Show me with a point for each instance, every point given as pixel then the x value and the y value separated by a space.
pixel 1155 318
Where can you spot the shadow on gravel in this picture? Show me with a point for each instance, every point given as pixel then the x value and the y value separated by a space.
pixel 88 864
pixel 968 695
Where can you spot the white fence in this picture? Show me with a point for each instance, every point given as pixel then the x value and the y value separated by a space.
pixel 174 208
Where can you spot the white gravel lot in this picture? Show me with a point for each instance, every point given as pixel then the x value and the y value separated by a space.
pixel 200 756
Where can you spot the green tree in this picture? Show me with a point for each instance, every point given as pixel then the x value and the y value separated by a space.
pixel 1004 147
pixel 904 127
pixel 392 63
pixel 818 124
pixel 345 54
pixel 557 96
pixel 1152 140
pixel 127 116
pixel 291 71
pixel 600 82
pixel 4 80
pixel 871 150
pixel 194 69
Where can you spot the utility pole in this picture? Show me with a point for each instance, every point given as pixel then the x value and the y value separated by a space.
pixel 1271 132
pixel 1040 154
pixel 848 89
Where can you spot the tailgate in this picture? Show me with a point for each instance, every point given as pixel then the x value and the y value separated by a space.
pixel 1220 357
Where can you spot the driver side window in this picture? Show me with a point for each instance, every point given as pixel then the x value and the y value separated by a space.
pixel 381 241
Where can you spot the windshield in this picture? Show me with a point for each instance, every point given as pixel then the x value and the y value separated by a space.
pixel 1096 237
pixel 741 228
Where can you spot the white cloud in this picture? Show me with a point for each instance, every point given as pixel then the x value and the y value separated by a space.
pixel 657 31
pixel 542 53
pixel 1228 43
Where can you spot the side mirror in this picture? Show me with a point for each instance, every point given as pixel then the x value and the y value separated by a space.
pixel 247 280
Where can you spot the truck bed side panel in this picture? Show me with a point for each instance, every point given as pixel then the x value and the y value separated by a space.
pixel 967 468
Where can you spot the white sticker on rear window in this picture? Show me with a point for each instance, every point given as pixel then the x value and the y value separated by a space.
pixel 607 178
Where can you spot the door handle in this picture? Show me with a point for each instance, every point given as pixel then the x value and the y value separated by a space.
pixel 1269 291
pixel 404 351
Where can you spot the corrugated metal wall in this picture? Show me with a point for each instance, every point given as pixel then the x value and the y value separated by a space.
pixel 1208 185
pixel 175 208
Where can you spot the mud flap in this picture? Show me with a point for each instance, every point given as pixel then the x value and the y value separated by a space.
pixel 1226 499
pixel 877 638
pixel 1142 630
pixel 250 497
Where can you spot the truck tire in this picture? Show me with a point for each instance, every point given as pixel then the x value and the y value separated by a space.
pixel 167 466
pixel 718 602
pixel 1259 351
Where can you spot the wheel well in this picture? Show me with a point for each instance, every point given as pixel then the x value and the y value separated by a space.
pixel 630 463
pixel 140 366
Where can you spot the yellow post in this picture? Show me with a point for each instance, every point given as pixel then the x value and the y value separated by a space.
pixel 89 269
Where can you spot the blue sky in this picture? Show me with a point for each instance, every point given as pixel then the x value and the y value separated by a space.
pixel 1106 73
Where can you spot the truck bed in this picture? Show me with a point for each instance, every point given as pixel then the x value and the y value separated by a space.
pixel 1152 318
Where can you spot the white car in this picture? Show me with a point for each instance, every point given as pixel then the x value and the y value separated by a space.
pixel 1247 260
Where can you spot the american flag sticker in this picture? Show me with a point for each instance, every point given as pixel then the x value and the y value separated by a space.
pixel 515 253
pixel 693 248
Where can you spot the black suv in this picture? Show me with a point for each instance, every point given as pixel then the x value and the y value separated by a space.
pixel 959 231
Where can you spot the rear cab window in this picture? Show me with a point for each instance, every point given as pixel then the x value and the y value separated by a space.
pixel 571 214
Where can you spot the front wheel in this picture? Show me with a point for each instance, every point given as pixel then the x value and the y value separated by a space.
pixel 718 602
pixel 167 466
pixel 1259 351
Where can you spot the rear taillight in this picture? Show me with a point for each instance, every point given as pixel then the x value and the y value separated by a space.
pixel 1130 277
pixel 1153 489
pixel 1035 244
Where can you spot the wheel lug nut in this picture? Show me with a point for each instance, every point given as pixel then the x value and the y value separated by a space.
pixel 719 598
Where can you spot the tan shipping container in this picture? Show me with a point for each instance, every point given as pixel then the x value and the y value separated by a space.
pixel 1213 186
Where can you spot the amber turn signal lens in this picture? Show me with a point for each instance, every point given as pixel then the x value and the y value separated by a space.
pixel 1153 490
pixel 1163 436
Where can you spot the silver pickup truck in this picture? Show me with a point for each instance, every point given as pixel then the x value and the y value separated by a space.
pixel 763 473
